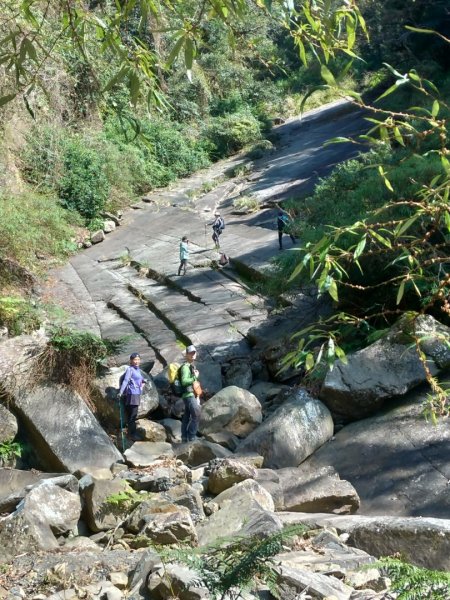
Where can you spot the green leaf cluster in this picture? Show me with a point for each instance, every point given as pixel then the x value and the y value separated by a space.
pixel 414 583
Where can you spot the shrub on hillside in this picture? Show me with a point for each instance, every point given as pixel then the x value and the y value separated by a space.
pixel 31 224
pixel 230 133
pixel 83 186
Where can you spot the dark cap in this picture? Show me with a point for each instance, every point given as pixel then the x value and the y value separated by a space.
pixel 135 355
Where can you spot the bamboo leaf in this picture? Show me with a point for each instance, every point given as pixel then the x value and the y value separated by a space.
pixel 327 75
pixel 333 290
pixel 309 361
pixel 435 109
pixel 400 292
pixel 360 247
pixel 175 50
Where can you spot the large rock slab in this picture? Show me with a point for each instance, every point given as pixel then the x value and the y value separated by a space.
pixel 21 532
pixel 60 509
pixel 424 542
pixel 386 369
pixel 316 490
pixel 233 409
pixel 227 472
pixel 293 582
pixel 14 484
pixel 66 435
pixel 99 514
pixel 244 517
pixel 398 462
pixel 292 433
pixel 200 452
pixel 143 454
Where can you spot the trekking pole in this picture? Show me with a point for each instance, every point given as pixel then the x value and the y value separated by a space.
pixel 121 424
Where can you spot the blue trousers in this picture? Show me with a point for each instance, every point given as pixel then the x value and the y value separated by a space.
pixel 191 418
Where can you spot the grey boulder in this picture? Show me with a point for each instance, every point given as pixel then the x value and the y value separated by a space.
pixel 386 369
pixel 292 433
pixel 233 409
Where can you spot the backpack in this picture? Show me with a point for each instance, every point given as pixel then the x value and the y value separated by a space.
pixel 173 375
pixel 221 224
pixel 121 378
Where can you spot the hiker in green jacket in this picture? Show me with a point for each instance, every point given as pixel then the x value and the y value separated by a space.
pixel 191 396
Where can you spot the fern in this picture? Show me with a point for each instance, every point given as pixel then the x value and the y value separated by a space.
pixel 230 567
pixel 415 583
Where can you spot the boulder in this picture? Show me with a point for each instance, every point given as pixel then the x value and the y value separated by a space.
pixel 106 389
pixel 150 431
pixel 185 495
pixel 270 481
pixel 200 452
pixel 174 580
pixel 223 438
pixel 375 453
pixel 316 490
pixel 293 582
pixel 170 526
pixel 8 425
pixel 160 476
pixel 14 484
pixel 21 533
pixel 109 225
pixel 233 409
pixel 17 358
pixel 99 514
pixel 327 553
pixel 97 236
pixel 143 454
pixel 266 391
pixel 60 509
pixel 249 489
pixel 424 542
pixel 226 473
pixel 239 374
pixel 210 377
pixel 242 516
pixel 66 435
pixel 173 430
pixel 292 433
pixel 386 369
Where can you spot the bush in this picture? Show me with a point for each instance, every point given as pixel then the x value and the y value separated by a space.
pixel 19 315
pixel 228 134
pixel 31 223
pixel 83 186
pixel 71 358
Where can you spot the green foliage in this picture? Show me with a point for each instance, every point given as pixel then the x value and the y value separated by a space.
pixel 228 134
pixel 80 346
pixel 19 315
pixel 71 358
pixel 32 224
pixel 230 567
pixel 10 449
pixel 83 186
pixel 126 500
pixel 246 203
pixel 415 583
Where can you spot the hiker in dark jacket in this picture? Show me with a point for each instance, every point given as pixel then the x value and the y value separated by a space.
pixel 191 417
pixel 218 226
pixel 284 222
pixel 130 391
